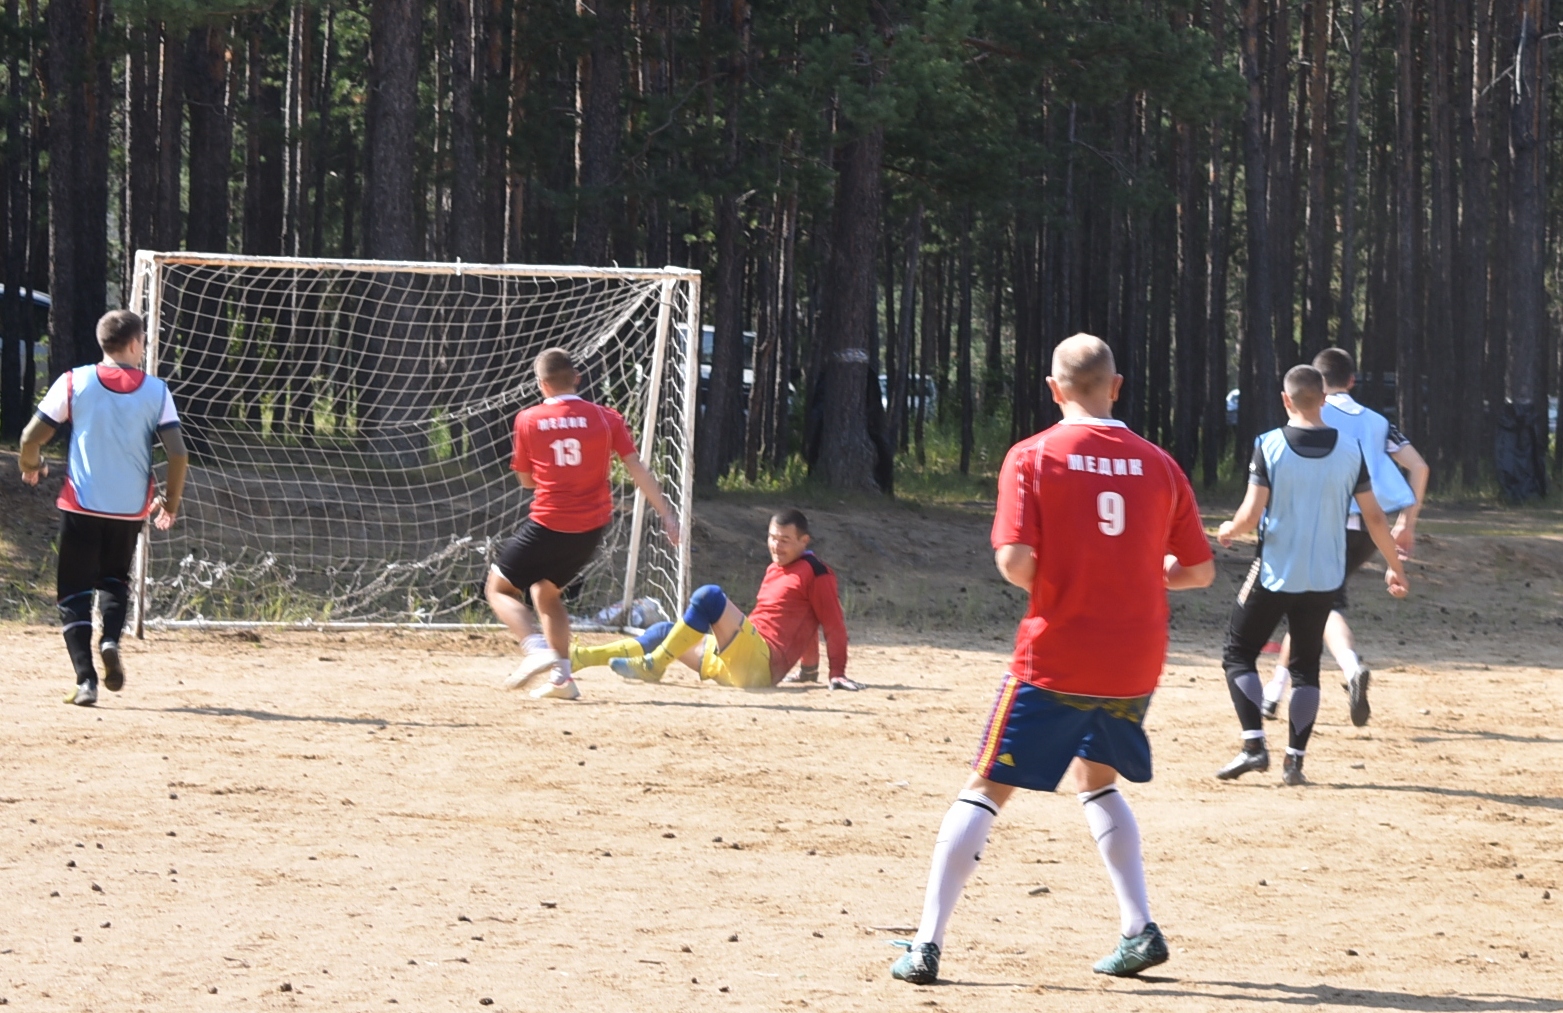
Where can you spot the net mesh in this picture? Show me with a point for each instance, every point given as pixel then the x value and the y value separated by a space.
pixel 349 430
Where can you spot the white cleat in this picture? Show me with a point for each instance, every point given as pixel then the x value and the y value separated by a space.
pixel 566 690
pixel 533 664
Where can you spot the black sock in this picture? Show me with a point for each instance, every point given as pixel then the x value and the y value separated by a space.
pixel 113 602
pixel 1304 709
pixel 1246 693
pixel 76 618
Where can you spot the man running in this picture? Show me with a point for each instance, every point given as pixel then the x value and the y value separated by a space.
pixel 798 597
pixel 1300 481
pixel 1390 488
pixel 563 449
pixel 1097 525
pixel 115 411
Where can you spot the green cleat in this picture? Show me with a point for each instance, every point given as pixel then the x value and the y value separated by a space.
pixel 640 669
pixel 1135 954
pixel 918 965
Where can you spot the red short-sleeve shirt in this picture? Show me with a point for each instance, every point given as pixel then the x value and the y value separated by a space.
pixel 567 444
pixel 1101 508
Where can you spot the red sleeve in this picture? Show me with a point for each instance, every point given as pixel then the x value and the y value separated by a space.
pixel 1186 538
pixel 1015 519
pixel 826 602
pixel 521 451
pixel 623 442
pixel 810 656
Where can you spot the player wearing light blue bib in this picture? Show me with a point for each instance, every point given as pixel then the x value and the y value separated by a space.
pixel 1386 452
pixel 1301 483
pixel 115 411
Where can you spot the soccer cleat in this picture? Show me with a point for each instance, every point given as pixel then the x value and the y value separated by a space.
pixel 641 669
pixel 113 671
pixel 1291 770
pixel 1245 761
pixel 842 682
pixel 1270 709
pixel 566 690
pixel 84 695
pixel 919 964
pixel 1134 954
pixel 1357 690
pixel 533 664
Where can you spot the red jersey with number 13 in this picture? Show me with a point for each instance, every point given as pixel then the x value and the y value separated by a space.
pixel 567 444
pixel 1100 507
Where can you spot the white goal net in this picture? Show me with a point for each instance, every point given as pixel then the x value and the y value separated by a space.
pixel 349 427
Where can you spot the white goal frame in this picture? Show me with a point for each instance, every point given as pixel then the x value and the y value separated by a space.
pixel 147 285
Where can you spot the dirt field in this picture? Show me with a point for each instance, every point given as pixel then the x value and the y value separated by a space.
pixel 302 820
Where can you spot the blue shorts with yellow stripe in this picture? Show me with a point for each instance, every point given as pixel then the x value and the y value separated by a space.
pixel 1033 734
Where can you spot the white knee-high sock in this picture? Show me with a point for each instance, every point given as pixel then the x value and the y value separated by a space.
pixel 962 837
pixel 1276 687
pixel 1118 839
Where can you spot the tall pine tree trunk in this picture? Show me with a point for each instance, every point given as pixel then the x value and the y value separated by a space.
pixel 1262 400
pixel 79 114
pixel 211 136
pixel 1346 332
pixel 1475 231
pixel 1316 319
pixel 601 86
pixel 395 33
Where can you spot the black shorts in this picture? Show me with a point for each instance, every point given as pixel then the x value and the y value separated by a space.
pixel 1359 549
pixel 1259 611
pixel 537 553
pixel 93 550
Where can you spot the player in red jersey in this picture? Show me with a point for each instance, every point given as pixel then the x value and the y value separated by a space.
pixel 1097 524
pixel 797 598
pixel 563 450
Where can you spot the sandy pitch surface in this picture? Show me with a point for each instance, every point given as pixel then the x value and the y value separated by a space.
pixel 363 821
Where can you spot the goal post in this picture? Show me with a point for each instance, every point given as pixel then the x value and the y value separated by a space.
pixel 349 424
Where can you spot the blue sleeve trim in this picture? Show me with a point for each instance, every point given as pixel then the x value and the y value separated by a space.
pixel 168 425
pixel 46 419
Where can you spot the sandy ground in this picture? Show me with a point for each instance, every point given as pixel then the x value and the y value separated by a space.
pixel 300 820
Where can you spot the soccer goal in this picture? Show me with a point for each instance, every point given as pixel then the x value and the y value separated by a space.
pixel 349 426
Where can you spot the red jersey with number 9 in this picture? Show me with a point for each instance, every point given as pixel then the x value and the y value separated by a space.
pixel 1101 508
pixel 567 444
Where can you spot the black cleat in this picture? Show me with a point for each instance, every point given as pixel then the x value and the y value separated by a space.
pixel 1357 690
pixel 113 670
pixel 1245 761
pixel 1291 770
pixel 1270 709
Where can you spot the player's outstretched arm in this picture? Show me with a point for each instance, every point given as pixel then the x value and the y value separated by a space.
pixel 1378 530
pixel 37 433
pixel 1017 564
pixel 1404 531
pixel 647 483
pixel 1247 517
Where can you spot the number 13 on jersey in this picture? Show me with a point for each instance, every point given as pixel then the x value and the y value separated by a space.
pixel 568 452
pixel 1110 513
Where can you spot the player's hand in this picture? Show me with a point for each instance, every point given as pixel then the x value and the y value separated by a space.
pixel 1405 541
pixel 32 476
pixel 162 517
pixel 1395 581
pixel 671 529
pixel 1224 534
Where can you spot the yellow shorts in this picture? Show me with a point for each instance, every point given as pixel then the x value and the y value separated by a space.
pixel 744 663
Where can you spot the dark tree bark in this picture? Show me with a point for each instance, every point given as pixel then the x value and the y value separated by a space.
pixel 1190 310
pixel 1346 332
pixel 787 334
pixel 1523 433
pixel 1475 61
pixel 848 456
pixel 1443 378
pixel 79 87
pixel 141 96
pixel 211 136
pixel 602 88
pixel 1316 318
pixel 395 33
pixel 963 378
pixel 896 413
pixel 466 225
pixel 263 157
pixel 299 144
pixel 1265 396
pixel 1408 366
pixel 170 145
